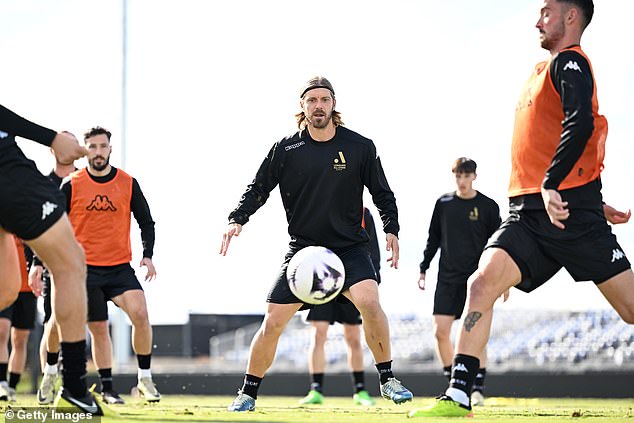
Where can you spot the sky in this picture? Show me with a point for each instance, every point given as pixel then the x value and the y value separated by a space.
pixel 212 85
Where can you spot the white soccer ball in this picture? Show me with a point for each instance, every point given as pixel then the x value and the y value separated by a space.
pixel 315 275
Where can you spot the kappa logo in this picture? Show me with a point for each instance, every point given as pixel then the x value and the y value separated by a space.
pixel 3 135
pixel 617 254
pixel 293 146
pixel 47 209
pixel 101 203
pixel 461 367
pixel 339 162
pixel 572 65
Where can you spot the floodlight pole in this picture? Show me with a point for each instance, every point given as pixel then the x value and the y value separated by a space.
pixel 120 328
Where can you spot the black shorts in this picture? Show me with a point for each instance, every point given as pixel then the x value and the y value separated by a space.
pixel 46 295
pixel 450 298
pixel 333 311
pixel 22 312
pixel 356 262
pixel 29 202
pixel 105 283
pixel 586 248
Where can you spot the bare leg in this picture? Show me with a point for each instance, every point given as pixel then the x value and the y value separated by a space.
pixel 64 257
pixel 619 291
pixel 5 330
pixel 264 342
pixel 365 296
pixel 50 340
pixel 496 273
pixel 9 269
pixel 352 335
pixel 19 340
pixel 133 304
pixel 442 334
pixel 316 351
pixel 101 344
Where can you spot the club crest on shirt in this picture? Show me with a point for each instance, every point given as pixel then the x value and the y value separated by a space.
pixel 339 162
pixel 101 203
pixel 474 214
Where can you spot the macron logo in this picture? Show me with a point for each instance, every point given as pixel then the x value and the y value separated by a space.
pixel 47 208
pixel 617 255
pixel 572 65
pixel 461 367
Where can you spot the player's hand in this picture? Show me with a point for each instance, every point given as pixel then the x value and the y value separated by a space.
pixel 35 279
pixel 555 207
pixel 614 216
pixel 392 245
pixel 234 229
pixel 151 271
pixel 67 148
pixel 421 279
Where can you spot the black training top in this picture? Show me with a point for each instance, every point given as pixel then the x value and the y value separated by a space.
pixel 461 229
pixel 12 125
pixel 138 205
pixel 321 184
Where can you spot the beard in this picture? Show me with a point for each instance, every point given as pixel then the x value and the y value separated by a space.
pixel 550 40
pixel 320 122
pixel 99 167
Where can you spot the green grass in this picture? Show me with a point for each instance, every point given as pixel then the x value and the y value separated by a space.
pixel 335 410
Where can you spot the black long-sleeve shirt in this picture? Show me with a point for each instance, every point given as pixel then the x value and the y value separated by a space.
pixel 461 228
pixel 12 125
pixel 321 184
pixel 572 78
pixel 138 205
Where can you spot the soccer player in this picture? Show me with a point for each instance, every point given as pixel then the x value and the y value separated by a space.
pixel 40 283
pixel 33 209
pixel 100 200
pixel 16 321
pixel 556 214
pixel 322 316
pixel 321 171
pixel 461 224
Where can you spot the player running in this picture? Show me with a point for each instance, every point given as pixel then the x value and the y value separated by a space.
pixel 33 209
pixel 557 218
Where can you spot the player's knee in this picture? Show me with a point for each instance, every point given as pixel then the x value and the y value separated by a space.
pixel 480 290
pixel 369 307
pixel 139 316
pixel 98 329
pixel 440 334
pixel 272 326
pixel 627 315
pixel 19 341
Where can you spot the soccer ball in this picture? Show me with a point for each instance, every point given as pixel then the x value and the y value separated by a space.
pixel 315 275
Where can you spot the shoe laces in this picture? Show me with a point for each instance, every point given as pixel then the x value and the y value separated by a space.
pixel 394 385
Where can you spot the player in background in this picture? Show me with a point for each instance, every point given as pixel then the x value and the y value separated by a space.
pixel 461 224
pixel 557 218
pixel 321 172
pixel 322 316
pixel 33 209
pixel 100 200
pixel 40 284
pixel 16 321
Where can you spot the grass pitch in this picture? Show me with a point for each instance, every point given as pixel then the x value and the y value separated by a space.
pixel 335 410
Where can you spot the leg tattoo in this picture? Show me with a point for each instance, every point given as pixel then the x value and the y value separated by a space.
pixel 471 319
